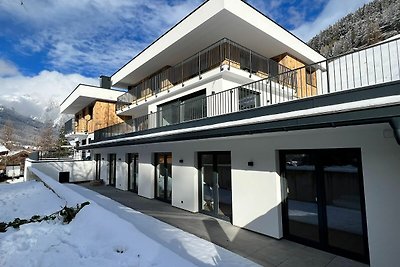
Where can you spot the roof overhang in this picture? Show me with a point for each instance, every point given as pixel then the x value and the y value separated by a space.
pixel 210 22
pixel 83 95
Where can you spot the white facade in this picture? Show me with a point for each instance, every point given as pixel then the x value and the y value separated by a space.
pixel 256 190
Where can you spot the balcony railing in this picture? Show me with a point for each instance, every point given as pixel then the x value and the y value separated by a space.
pixel 369 66
pixel 222 52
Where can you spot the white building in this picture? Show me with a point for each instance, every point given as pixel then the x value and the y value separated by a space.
pixel 235 117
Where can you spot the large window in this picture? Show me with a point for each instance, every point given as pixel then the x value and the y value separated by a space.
pixel 163 179
pixel 97 159
pixel 215 184
pixel 191 107
pixel 133 172
pixel 112 169
pixel 324 200
pixel 248 99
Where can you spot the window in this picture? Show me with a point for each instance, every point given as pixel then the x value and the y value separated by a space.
pixel 190 107
pixel 323 200
pixel 133 171
pixel 311 77
pixel 248 99
pixel 215 194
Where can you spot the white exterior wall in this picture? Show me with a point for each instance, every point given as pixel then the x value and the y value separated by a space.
pixel 256 190
pixel 13 171
pixel 79 170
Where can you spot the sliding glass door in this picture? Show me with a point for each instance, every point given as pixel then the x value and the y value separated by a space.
pixel 163 179
pixel 133 172
pixel 97 159
pixel 324 200
pixel 215 184
pixel 112 164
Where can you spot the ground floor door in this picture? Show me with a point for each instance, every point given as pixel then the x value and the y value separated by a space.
pixel 163 179
pixel 133 171
pixel 324 200
pixel 97 159
pixel 215 188
pixel 112 163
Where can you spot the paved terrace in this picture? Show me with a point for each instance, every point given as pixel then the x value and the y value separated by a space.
pixel 256 247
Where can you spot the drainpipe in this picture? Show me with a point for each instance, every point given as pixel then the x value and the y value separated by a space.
pixel 395 123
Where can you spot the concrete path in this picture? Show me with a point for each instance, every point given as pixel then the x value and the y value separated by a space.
pixel 256 247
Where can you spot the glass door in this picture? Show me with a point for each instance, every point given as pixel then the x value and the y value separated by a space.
pixel 97 159
pixel 133 172
pixel 344 202
pixel 163 183
pixel 215 184
pixel 112 159
pixel 324 200
pixel 302 205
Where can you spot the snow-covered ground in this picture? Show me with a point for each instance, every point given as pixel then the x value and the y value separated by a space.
pixel 96 237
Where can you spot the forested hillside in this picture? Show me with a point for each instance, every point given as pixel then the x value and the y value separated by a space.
pixel 370 24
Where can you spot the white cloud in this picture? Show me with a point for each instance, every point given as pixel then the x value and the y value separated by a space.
pixel 333 11
pixel 33 96
pixel 7 68
pixel 90 36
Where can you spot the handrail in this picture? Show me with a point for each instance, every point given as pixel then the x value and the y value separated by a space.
pixel 222 51
pixel 371 65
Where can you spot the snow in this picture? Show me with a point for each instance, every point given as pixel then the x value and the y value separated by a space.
pixel 23 200
pixel 97 236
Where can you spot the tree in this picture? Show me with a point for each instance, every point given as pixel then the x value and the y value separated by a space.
pixel 8 134
pixel 46 141
pixel 61 144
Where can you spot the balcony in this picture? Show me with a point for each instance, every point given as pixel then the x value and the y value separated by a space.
pixel 224 52
pixel 73 132
pixel 371 66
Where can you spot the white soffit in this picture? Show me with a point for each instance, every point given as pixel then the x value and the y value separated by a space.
pixel 212 21
pixel 84 95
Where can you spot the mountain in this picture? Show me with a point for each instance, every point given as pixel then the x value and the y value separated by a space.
pixel 25 129
pixel 372 23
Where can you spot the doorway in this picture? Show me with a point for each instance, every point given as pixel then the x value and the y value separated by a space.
pixel 97 159
pixel 324 200
pixel 133 172
pixel 215 185
pixel 163 178
pixel 112 160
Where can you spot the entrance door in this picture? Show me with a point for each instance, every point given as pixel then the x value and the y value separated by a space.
pixel 163 181
pixel 97 159
pixel 215 184
pixel 112 160
pixel 133 171
pixel 324 202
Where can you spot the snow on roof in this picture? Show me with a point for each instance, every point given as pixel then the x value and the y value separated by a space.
pixel 3 149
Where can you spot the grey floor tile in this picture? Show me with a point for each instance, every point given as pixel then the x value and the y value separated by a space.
pixel 344 262
pixel 261 249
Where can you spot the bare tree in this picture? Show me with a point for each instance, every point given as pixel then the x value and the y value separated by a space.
pixel 8 134
pixel 46 140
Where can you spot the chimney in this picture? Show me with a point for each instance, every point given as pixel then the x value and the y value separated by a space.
pixel 105 82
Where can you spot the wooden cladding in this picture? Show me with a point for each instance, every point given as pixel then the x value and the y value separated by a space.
pixel 96 116
pixel 304 79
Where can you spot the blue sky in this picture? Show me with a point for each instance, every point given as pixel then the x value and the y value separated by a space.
pixel 57 44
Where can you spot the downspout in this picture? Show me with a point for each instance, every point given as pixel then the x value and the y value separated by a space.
pixel 395 124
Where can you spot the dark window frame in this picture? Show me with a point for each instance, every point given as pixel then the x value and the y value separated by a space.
pixel 323 244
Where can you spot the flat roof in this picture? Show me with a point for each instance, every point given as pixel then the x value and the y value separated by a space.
pixel 210 22
pixel 83 95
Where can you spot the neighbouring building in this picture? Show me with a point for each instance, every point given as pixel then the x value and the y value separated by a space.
pixel 231 115
pixel 93 109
